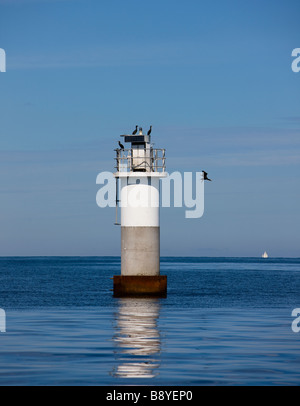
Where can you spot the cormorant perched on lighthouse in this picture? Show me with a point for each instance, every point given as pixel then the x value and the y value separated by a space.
pixel 135 131
pixel 121 145
pixel 149 132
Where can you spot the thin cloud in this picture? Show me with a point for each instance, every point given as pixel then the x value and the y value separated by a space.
pixel 21 2
pixel 256 158
pixel 231 138
pixel 119 54
pixel 111 55
pixel 292 119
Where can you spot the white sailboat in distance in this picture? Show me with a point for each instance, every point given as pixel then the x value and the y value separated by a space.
pixel 265 255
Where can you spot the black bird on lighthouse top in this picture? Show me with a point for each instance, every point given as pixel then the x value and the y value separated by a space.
pixel 135 131
pixel 149 132
pixel 121 145
pixel 205 176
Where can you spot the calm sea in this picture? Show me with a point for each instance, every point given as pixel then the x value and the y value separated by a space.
pixel 225 321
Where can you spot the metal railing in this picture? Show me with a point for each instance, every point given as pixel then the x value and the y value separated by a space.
pixel 140 160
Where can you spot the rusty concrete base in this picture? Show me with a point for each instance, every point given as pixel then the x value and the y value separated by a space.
pixel 140 286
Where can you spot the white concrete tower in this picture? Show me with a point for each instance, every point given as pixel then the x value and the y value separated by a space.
pixel 139 169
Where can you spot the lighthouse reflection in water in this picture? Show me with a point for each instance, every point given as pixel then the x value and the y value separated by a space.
pixel 137 338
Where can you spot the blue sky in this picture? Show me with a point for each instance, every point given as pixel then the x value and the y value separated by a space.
pixel 214 79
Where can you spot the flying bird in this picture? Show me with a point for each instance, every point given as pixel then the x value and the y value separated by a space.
pixel 149 132
pixel 121 145
pixel 135 131
pixel 205 176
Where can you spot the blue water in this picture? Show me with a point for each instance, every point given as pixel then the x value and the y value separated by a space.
pixel 225 321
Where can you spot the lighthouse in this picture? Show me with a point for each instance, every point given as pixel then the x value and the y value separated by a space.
pixel 139 168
